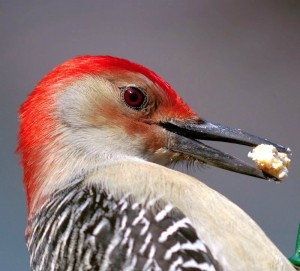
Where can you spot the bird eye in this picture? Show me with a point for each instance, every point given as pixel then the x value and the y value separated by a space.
pixel 134 97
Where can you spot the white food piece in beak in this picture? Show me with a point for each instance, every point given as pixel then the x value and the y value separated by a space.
pixel 269 160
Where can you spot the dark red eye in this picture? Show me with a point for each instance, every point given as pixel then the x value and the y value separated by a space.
pixel 134 97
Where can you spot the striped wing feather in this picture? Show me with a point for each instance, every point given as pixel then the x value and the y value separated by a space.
pixel 87 229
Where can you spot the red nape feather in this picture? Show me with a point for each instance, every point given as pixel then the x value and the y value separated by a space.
pixel 38 123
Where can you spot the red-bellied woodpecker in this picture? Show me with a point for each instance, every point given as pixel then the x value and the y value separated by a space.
pixel 95 136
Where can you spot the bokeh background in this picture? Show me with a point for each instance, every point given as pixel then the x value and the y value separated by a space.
pixel 235 62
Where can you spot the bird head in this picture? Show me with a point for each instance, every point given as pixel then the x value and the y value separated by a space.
pixel 96 110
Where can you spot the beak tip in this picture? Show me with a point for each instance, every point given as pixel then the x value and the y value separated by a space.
pixel 269 177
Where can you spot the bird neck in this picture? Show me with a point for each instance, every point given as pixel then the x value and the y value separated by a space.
pixel 61 167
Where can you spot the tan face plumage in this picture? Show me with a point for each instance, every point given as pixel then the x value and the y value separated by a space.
pixel 79 104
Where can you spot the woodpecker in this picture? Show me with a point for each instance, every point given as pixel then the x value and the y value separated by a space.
pixel 96 136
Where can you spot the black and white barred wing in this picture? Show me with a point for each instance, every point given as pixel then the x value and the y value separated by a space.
pixel 87 229
pixel 167 241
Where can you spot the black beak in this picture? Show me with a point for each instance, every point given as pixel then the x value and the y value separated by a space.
pixel 185 139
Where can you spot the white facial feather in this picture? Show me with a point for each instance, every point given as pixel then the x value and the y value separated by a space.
pixel 79 145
